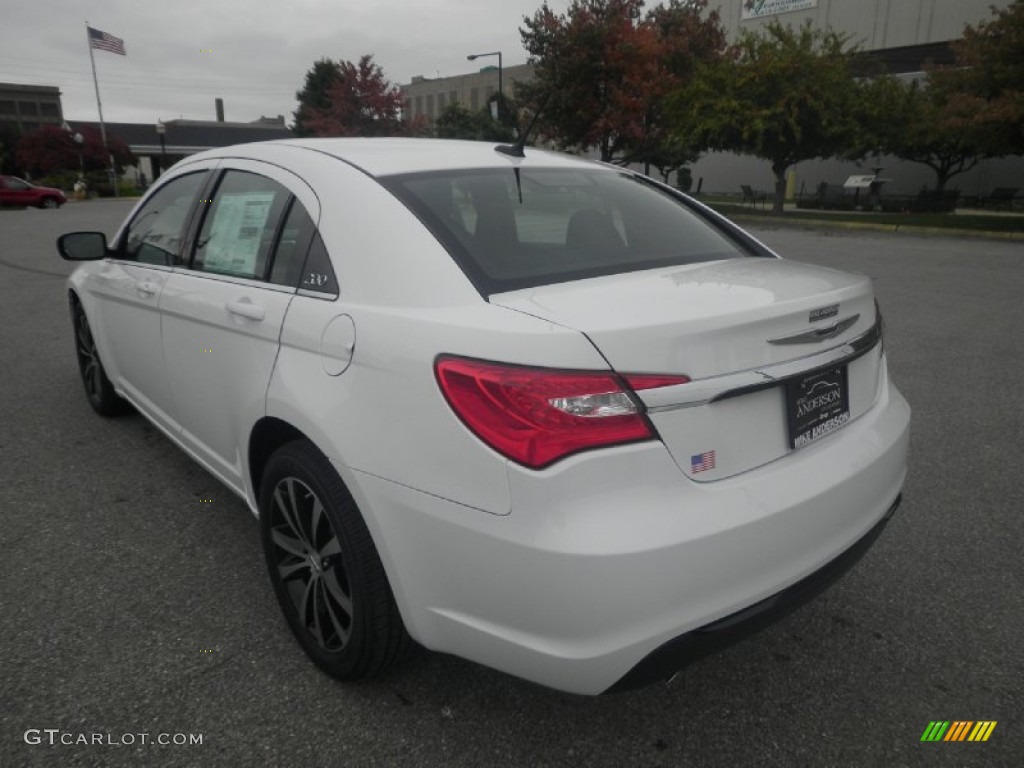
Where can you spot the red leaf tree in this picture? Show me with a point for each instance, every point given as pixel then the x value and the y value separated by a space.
pixel 51 150
pixel 361 102
pixel 604 69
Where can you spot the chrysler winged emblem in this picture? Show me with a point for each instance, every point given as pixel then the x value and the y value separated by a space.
pixel 816 335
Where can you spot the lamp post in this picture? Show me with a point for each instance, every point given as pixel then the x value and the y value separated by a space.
pixel 161 129
pixel 475 56
pixel 79 140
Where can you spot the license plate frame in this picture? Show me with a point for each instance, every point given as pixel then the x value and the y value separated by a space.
pixel 817 404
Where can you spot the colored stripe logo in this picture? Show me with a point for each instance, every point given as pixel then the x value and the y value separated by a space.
pixel 958 730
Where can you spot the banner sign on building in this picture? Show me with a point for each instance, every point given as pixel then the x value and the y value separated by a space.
pixel 755 9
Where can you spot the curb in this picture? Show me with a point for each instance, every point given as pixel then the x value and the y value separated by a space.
pixel 867 226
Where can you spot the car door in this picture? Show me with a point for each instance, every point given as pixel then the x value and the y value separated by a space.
pixel 222 313
pixel 125 290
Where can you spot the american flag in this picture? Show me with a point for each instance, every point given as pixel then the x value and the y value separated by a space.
pixel 105 42
pixel 702 461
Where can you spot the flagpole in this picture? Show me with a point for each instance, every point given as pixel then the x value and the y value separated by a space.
pixel 99 108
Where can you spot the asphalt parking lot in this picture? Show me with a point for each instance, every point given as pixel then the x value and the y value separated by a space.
pixel 130 605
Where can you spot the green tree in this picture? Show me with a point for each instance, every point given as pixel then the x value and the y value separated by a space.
pixel 984 92
pixel 314 94
pixel 360 102
pixel 603 68
pixel 911 122
pixel 783 95
pixel 457 122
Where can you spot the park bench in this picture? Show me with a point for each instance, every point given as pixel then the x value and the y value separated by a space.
pixel 753 196
pixel 1001 197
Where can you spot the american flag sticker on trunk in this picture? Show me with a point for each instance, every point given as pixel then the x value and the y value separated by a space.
pixel 702 461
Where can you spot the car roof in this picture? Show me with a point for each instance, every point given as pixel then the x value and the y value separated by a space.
pixel 395 156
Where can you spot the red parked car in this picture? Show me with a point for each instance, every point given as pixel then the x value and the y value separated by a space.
pixel 15 191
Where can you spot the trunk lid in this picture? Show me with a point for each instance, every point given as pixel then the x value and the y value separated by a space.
pixel 715 323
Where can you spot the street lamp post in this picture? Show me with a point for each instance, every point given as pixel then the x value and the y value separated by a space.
pixel 161 129
pixel 475 56
pixel 79 140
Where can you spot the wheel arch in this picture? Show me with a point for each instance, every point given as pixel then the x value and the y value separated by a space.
pixel 270 433
pixel 267 435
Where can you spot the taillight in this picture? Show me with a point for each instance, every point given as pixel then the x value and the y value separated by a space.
pixel 536 416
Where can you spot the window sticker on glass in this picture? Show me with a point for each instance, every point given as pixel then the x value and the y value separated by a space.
pixel 237 230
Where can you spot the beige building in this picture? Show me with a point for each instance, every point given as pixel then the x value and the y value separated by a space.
pixel 26 108
pixel 429 96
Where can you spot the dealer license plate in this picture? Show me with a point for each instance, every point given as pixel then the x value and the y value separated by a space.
pixel 817 404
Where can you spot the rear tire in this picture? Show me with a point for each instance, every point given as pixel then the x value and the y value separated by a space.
pixel 325 569
pixel 98 389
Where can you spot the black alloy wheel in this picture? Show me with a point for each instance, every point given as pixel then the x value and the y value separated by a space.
pixel 98 389
pixel 310 564
pixel 325 569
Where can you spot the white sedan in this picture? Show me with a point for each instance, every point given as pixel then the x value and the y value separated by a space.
pixel 545 414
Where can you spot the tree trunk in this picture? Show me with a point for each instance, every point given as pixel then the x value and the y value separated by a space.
pixel 780 189
pixel 941 177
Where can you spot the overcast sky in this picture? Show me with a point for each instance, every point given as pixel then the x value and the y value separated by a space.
pixel 259 50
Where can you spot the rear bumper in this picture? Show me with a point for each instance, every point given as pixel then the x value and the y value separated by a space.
pixel 672 656
pixel 607 558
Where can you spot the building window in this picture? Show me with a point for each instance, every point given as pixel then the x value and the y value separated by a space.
pixel 490 91
pixel 407 109
pixel 419 105
pixel 29 127
pixel 7 108
pixel 453 97
pixel 430 106
pixel 440 103
pixel 28 108
pixel 474 99
pixel 49 110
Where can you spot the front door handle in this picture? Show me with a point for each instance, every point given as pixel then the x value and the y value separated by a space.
pixel 147 287
pixel 245 308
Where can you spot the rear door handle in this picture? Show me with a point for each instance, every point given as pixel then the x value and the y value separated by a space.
pixel 245 308
pixel 147 287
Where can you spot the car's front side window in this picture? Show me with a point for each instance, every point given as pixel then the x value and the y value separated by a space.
pixel 238 232
pixel 154 235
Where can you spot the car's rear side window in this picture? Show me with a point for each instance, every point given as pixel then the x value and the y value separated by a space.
pixel 519 228
pixel 238 232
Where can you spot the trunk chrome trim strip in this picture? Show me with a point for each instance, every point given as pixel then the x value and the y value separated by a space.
pixel 715 388
pixel 816 335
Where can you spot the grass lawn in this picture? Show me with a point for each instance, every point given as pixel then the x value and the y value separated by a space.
pixel 979 222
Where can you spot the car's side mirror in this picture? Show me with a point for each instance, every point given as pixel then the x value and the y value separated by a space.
pixel 82 246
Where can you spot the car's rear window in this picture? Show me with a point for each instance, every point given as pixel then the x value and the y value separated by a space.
pixel 519 228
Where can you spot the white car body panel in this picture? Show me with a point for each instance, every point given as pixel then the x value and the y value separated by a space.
pixel 220 338
pixel 569 575
pixel 124 299
pixel 574 587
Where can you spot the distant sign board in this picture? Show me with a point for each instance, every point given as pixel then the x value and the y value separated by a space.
pixel 859 182
pixel 755 9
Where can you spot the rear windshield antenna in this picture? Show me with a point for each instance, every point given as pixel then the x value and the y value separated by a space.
pixel 516 150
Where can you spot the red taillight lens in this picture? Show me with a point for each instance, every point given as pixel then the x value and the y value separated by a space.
pixel 536 416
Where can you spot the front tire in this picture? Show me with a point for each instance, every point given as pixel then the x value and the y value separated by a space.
pixel 98 389
pixel 324 567
pixel 50 202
